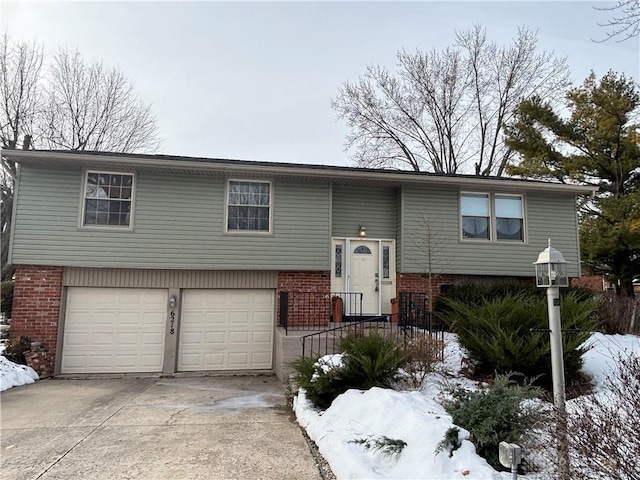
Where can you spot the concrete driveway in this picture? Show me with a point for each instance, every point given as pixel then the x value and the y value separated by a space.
pixel 152 428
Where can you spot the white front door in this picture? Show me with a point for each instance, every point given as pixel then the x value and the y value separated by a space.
pixel 363 274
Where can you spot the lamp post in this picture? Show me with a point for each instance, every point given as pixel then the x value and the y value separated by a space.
pixel 551 273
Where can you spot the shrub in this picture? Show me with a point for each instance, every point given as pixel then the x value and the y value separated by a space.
pixel 370 360
pixel 497 333
pixel 321 380
pixel 604 428
pixel 423 353
pixel 615 313
pixel 477 294
pixel 495 414
pixel 6 292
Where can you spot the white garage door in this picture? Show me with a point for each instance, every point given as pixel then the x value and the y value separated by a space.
pixel 114 330
pixel 226 330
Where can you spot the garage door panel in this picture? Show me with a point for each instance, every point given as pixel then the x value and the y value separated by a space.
pixel 226 322
pixel 218 338
pixel 239 337
pixel 261 337
pixel 114 330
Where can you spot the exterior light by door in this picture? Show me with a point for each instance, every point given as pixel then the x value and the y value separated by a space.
pixel 551 272
pixel 172 301
pixel 362 232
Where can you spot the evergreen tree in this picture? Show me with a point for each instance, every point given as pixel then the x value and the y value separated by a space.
pixel 599 145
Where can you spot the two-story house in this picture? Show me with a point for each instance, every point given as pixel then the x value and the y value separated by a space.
pixel 162 264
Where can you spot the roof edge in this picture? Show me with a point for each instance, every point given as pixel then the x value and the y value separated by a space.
pixel 295 169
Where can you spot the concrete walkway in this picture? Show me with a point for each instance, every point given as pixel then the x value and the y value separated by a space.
pixel 152 428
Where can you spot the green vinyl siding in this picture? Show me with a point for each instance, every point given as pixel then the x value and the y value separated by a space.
pixel 178 223
pixel 373 207
pixel 546 216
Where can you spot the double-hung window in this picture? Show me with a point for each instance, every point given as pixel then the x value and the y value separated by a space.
pixel 476 215
pixel 107 199
pixel 248 206
pixel 509 218
pixel 493 217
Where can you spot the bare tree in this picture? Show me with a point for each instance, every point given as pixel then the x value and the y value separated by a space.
pixel 625 22
pixel 20 76
pixel 68 104
pixel 430 239
pixel 90 107
pixel 444 111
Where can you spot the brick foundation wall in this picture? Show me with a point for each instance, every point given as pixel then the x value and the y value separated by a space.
pixel 419 283
pixel 36 307
pixel 309 297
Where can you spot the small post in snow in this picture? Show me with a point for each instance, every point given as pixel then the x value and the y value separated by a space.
pixel 510 456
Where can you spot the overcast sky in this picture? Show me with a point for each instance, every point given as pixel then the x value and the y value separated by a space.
pixel 254 81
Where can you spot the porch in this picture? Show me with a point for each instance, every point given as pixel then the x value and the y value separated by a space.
pixel 313 324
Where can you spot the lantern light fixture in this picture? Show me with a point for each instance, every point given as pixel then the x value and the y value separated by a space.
pixel 551 268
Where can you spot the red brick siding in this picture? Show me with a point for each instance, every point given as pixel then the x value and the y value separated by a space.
pixel 36 305
pixel 309 297
pixel 593 282
pixel 419 283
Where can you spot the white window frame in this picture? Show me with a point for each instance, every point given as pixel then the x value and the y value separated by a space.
pixel 226 207
pixel 83 202
pixel 489 227
pixel 495 217
pixel 493 229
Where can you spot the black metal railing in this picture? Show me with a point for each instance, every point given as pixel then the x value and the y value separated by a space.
pixel 345 304
pixel 414 311
pixel 328 341
pixel 302 311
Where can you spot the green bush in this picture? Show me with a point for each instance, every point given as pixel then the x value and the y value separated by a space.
pixel 370 360
pixel 497 333
pixel 6 292
pixel 322 382
pixel 476 294
pixel 495 414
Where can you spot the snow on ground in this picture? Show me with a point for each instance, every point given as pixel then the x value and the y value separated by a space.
pixel 605 351
pixel 14 375
pixel 419 419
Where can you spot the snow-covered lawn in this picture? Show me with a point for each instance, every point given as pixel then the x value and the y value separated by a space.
pixel 419 419
pixel 14 375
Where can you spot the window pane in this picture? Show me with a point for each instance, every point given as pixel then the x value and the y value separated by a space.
pixel 508 207
pixel 363 250
pixel 475 227
pixel 248 206
pixel 385 262
pixel 338 262
pixel 474 205
pixel 509 229
pixel 108 199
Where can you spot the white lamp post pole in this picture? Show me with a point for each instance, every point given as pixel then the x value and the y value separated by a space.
pixel 551 272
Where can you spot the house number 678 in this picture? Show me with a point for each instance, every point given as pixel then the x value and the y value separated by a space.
pixel 172 315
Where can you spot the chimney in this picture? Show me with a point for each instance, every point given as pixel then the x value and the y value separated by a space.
pixel 26 142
